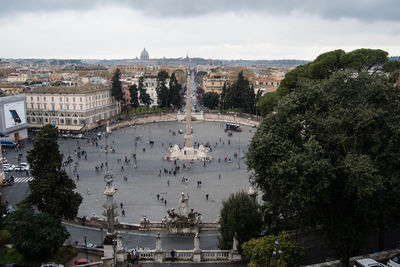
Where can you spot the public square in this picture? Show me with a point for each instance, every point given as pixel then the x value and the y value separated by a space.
pixel 138 193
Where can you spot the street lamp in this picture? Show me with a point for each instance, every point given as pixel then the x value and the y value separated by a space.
pixel 277 252
pixel 114 243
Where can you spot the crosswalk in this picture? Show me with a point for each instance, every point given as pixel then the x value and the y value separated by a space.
pixel 22 179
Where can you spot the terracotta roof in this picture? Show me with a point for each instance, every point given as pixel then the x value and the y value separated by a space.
pixel 66 89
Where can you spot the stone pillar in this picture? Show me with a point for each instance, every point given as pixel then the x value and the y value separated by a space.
pixel 196 250
pixel 159 253
pixel 234 253
pixel 120 253
pixel 188 133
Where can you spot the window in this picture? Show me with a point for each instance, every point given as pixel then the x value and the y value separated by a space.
pixel 68 121
pixel 75 121
pixel 44 98
pixel 31 98
pixel 52 99
pixel 37 98
pixel 73 99
pixel 74 107
pixel 80 99
pixel 33 119
pixel 60 98
pixel 62 120
pixel 67 106
pixel 53 122
pixel 66 99
pixel 46 120
pixel 31 105
pixel 44 105
pixel 61 106
pixel 53 107
pixel 38 106
pixel 81 106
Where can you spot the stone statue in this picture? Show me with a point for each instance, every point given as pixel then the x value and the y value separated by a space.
pixel 183 205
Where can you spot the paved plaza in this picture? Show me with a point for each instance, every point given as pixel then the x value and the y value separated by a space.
pixel 139 193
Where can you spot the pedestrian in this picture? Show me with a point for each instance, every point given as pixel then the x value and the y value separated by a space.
pixel 158 196
pixel 122 168
pixel 206 196
pixel 122 205
pixel 165 202
pixel 219 177
pixel 168 182
pixel 77 177
pixel 123 213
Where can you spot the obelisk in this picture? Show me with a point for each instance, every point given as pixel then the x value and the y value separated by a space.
pixel 188 134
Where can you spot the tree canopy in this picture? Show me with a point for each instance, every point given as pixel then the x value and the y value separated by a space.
pixel 133 91
pixel 144 97
pixel 330 155
pixel 322 68
pixel 210 100
pixel 260 251
pixel 163 96
pixel 116 88
pixel 239 214
pixel 239 95
pixel 175 91
pixel 36 235
pixel 52 191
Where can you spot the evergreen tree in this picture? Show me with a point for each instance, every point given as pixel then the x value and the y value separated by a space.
pixel 133 91
pixel 239 214
pixel 175 91
pixel 162 89
pixel 210 100
pixel 240 94
pixel 116 89
pixel 145 98
pixel 52 191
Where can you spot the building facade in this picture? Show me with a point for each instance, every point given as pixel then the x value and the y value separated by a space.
pixel 214 83
pixel 266 85
pixel 69 108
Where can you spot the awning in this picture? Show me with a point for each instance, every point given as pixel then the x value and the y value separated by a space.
pixel 70 127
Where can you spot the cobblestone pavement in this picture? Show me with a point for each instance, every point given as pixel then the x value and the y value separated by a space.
pixel 139 193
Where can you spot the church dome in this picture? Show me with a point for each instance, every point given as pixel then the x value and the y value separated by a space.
pixel 144 55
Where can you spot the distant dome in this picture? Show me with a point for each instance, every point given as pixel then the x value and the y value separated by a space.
pixel 144 55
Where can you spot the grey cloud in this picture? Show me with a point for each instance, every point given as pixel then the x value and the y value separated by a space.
pixel 364 10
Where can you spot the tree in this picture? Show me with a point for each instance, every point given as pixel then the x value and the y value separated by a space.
pixel 330 155
pixel 162 89
pixel 239 95
pixel 210 100
pixel 143 95
pixel 36 235
pixel 52 189
pixel 260 251
pixel 323 67
pixel 175 91
pixel 239 214
pixel 134 101
pixel 116 88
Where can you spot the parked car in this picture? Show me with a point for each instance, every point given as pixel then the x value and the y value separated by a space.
pixel 82 262
pixel 368 263
pixel 66 136
pixel 79 136
pixel 22 167
pixel 8 167
pixel 394 261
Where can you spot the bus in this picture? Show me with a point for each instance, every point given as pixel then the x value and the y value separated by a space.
pixel 233 127
pixel 8 143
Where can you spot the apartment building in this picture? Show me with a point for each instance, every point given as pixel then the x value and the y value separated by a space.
pixel 267 84
pixel 69 107
pixel 214 82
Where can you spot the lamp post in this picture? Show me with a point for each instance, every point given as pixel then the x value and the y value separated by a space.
pixel 277 252
pixel 114 243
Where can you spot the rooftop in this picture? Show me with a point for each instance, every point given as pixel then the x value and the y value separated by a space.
pixel 81 89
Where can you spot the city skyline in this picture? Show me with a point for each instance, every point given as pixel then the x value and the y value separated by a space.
pixel 221 29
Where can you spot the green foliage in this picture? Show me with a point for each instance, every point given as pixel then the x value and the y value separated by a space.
pixel 162 89
pixel 133 91
pixel 267 103
pixel 11 255
pixel 210 100
pixel 52 191
pixel 260 251
pixel 36 235
pixel 116 88
pixel 324 66
pixel 145 98
pixel 330 156
pixel 239 95
pixel 239 214
pixel 175 91
pixel 4 237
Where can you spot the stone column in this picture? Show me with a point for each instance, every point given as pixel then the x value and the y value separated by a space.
pixel 188 133
pixel 159 253
pixel 196 250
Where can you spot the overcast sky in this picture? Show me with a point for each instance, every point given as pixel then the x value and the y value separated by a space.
pixel 218 29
